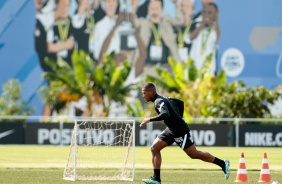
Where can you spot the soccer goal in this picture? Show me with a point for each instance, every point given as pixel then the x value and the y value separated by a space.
pixel 101 150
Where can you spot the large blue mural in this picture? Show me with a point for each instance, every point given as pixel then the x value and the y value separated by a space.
pixel 249 47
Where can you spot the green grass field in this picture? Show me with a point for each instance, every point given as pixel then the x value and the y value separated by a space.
pixel 45 164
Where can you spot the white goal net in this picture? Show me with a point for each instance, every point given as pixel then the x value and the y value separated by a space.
pixel 101 150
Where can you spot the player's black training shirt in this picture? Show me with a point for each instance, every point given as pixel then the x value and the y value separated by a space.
pixel 170 115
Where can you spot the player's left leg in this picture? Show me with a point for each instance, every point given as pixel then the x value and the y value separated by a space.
pixel 156 148
pixel 193 153
pixel 162 141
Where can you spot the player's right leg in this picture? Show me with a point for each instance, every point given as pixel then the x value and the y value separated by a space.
pixel 193 153
pixel 227 169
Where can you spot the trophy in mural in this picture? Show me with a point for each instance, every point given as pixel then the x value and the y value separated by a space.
pixel 126 29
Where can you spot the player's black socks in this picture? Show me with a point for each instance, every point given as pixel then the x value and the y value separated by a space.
pixel 220 163
pixel 157 174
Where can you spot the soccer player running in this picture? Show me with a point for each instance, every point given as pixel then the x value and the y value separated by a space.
pixel 177 131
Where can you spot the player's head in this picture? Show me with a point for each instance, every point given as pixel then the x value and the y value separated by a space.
pixel 110 7
pixel 155 10
pixel 63 7
pixel 213 6
pixel 210 12
pixel 187 7
pixel 85 4
pixel 149 91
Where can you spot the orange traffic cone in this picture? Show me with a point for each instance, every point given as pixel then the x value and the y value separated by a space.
pixel 264 172
pixel 242 172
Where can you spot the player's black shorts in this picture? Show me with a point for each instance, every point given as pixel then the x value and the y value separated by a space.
pixel 183 141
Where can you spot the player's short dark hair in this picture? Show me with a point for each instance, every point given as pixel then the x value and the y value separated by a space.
pixel 214 5
pixel 158 0
pixel 149 86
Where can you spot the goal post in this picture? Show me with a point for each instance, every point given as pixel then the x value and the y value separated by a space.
pixel 101 150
